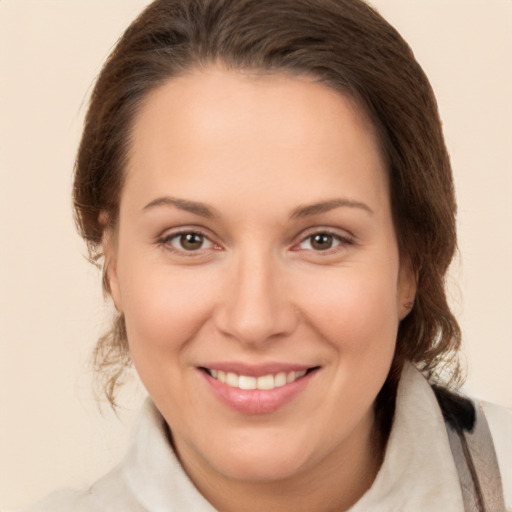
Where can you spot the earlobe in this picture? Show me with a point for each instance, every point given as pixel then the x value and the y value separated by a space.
pixel 109 249
pixel 408 285
pixel 406 308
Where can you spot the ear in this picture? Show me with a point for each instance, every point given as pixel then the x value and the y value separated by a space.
pixel 407 287
pixel 109 248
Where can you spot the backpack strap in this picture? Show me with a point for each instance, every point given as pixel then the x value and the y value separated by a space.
pixel 473 452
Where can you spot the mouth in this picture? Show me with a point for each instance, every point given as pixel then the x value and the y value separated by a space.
pixel 257 390
pixel 264 382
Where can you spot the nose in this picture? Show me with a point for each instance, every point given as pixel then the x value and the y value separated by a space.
pixel 256 306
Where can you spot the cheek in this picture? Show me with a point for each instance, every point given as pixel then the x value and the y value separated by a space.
pixel 358 318
pixel 355 307
pixel 163 308
pixel 164 311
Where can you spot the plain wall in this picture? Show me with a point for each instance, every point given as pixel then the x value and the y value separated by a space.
pixel 51 307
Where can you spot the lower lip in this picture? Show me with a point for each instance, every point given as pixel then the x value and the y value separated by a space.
pixel 257 401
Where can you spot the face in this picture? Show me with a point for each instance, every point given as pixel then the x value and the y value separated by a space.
pixel 256 264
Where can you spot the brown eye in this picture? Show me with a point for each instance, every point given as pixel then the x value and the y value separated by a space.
pixel 189 242
pixel 319 242
pixel 322 241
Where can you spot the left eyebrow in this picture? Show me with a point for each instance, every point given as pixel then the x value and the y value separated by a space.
pixel 195 207
pixel 325 206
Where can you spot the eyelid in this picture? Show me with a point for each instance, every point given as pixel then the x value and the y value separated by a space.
pixel 345 238
pixel 164 240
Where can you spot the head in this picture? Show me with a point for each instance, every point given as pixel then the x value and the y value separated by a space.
pixel 341 46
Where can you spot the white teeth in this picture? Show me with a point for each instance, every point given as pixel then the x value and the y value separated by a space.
pixel 232 379
pixel 280 380
pixel 265 382
pixel 246 382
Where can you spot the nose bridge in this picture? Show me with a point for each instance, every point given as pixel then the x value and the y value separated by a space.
pixel 256 307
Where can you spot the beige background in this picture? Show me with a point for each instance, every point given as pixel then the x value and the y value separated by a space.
pixel 51 308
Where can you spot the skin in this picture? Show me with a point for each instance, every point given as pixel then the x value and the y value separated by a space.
pixel 256 148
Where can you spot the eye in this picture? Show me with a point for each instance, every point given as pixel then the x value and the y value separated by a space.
pixel 320 242
pixel 188 241
pixel 323 241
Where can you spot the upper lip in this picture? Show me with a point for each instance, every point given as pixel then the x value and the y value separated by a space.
pixel 256 370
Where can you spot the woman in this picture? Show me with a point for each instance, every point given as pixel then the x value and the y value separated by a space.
pixel 269 187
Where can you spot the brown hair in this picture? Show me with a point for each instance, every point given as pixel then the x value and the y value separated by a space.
pixel 346 45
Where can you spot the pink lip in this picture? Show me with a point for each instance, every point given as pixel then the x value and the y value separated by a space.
pixel 257 401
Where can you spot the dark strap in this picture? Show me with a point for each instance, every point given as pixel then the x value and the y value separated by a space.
pixel 473 452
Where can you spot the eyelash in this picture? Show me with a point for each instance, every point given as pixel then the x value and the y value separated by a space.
pixel 342 241
pixel 165 242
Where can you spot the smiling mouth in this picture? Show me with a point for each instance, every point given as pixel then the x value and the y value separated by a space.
pixel 264 382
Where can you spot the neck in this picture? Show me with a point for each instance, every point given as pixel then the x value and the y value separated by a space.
pixel 332 484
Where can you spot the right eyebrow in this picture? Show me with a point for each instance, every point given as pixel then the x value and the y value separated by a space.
pixel 325 206
pixel 195 207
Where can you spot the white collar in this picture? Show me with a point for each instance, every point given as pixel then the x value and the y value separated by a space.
pixel 418 472
pixel 153 473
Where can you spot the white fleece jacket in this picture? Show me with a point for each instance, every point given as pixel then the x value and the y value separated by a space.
pixel 418 473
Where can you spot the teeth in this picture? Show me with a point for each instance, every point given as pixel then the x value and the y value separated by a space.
pixel 245 382
pixel 232 380
pixel 265 382
pixel 280 380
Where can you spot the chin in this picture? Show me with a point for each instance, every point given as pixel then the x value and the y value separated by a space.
pixel 260 468
pixel 264 458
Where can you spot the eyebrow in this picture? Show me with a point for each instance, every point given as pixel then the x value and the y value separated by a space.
pixel 195 207
pixel 203 210
pixel 325 206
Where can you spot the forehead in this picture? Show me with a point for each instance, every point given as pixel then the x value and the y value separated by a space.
pixel 218 97
pixel 252 131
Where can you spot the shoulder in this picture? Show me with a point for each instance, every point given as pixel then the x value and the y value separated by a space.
pixel 486 431
pixel 500 425
pixel 108 494
pixel 66 499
